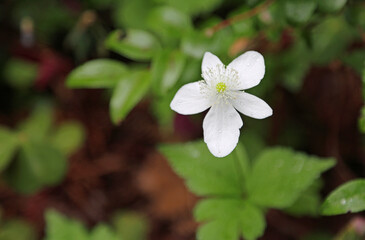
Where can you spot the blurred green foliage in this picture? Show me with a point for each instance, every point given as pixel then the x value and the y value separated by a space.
pixel 35 154
pixel 126 226
pixel 130 225
pixel 16 229
pixel 20 79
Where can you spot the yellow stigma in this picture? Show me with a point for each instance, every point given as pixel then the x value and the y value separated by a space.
pixel 221 87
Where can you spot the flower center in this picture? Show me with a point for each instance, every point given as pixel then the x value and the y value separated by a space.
pixel 221 87
pixel 219 83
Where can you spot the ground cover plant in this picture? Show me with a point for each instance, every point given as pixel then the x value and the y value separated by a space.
pixel 163 119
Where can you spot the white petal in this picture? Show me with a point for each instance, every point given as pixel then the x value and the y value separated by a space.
pixel 189 100
pixel 210 61
pixel 251 105
pixel 221 129
pixel 250 67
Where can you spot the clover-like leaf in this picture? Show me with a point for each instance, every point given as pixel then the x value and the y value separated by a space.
pixel 38 125
pixel 39 164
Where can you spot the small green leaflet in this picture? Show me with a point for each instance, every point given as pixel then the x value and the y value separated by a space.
pixel 8 147
pixel 167 67
pixel 127 93
pixel 59 228
pixel 134 44
pixel 99 73
pixel 130 225
pixel 331 5
pixel 168 22
pixel 68 137
pixel 349 197
pixel 299 11
pixel 38 125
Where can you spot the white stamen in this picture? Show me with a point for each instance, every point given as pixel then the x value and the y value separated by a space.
pixel 219 83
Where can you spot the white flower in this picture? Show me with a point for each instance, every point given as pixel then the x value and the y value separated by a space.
pixel 221 90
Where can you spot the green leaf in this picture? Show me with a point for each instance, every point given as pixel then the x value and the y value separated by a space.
pixel 169 22
pixel 128 92
pixel 103 232
pixel 167 67
pixel 293 71
pixel 8 147
pixel 130 226
pixel 20 73
pixel 134 44
pixel 68 137
pixel 362 120
pixel 38 164
pixel 61 228
pixel 280 175
pixel 193 7
pixel 299 11
pixel 204 174
pixel 218 230
pixel 355 59
pixel 355 14
pixel 99 73
pixel 244 28
pixel 308 203
pixel 132 14
pixel 331 5
pixel 196 43
pixel 228 219
pixel 253 142
pixel 363 84
pixel 162 111
pixel 329 39
pixel 349 197
pixel 99 4
pixel 17 230
pixel 38 125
